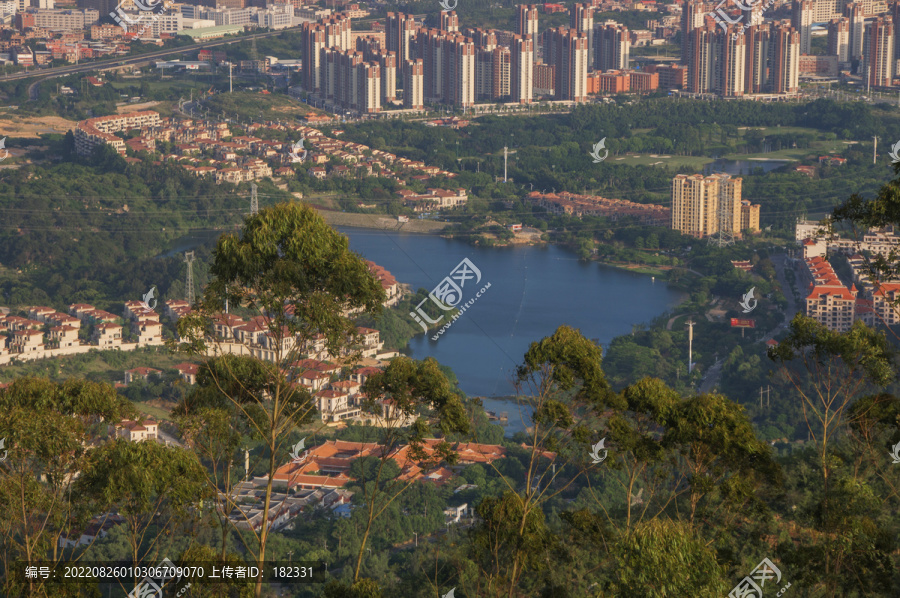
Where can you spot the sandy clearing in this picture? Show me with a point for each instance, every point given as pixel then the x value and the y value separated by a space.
pixel 123 108
pixel 18 126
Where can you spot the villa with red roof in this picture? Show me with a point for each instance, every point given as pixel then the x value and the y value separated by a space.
pixel 327 465
pixel 829 302
pixel 188 372
pixel 133 431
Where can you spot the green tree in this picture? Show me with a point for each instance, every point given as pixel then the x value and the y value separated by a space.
pixel 300 279
pixel 421 401
pixel 46 427
pixel 152 486
pixel 665 558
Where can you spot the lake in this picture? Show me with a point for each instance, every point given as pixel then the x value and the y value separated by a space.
pixel 533 291
pixel 742 167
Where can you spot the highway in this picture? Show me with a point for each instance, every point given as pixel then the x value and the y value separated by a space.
pixel 102 65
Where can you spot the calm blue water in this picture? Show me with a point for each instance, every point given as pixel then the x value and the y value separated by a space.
pixel 533 291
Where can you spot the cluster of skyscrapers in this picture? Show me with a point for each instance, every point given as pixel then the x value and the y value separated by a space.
pixel 445 65
pixel 730 52
pixel 740 54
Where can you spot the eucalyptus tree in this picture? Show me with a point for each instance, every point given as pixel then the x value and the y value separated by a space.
pixel 46 429
pixel 301 284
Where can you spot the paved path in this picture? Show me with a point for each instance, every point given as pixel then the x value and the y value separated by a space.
pixel 781 262
pixel 712 377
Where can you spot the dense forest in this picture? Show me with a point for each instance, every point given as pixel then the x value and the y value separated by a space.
pixel 93 231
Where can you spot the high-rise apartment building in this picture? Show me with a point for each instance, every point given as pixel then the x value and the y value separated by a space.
pixel 731 62
pixel 521 70
pixel 693 14
pixel 413 81
pixel 756 73
pixel 802 20
pixel 700 204
pixel 399 29
pixel 612 46
pixel 854 12
pixel 839 38
pixel 315 38
pixel 351 82
pixel 568 51
pixel 449 21
pixel 878 61
pixel 429 48
pixel 458 72
pixel 784 61
pixel 527 24
pixel 581 19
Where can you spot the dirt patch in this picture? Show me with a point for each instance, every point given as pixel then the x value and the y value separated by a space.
pixel 18 126
pixel 124 108
pixel 381 222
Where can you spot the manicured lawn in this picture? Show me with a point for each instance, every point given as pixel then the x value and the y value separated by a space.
pixel 672 161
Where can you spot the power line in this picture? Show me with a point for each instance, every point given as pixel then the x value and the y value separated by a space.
pixel 189 283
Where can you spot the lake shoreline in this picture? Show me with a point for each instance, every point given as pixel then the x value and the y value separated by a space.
pixel 383 223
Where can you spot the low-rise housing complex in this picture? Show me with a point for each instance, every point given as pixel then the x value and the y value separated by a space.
pixel 209 150
pixel 574 204
pixel 835 303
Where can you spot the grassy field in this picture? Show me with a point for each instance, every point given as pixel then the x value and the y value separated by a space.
pixel 696 162
pixel 249 104
pixel 154 412
pixel 781 130
pixel 108 366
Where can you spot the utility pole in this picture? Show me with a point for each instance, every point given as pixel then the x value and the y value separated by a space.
pixel 189 284
pixel 768 390
pixel 875 150
pixel 230 80
pixel 505 156
pixel 690 324
pixel 254 201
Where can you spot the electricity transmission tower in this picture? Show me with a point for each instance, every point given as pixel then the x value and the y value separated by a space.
pixel 189 284
pixel 254 201
pixel 724 234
